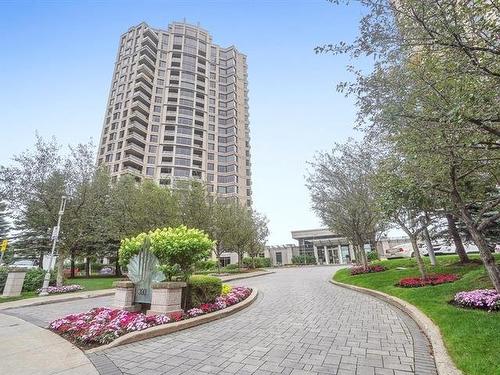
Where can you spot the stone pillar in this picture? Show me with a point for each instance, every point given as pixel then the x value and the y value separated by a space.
pixel 14 282
pixel 327 256
pixel 315 249
pixel 166 298
pixel 341 261
pixel 124 296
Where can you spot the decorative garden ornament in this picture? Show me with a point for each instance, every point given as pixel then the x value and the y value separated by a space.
pixel 143 271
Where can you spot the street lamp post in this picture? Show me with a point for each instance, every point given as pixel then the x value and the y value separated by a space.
pixel 55 236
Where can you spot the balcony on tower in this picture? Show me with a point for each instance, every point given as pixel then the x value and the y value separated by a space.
pixel 141 97
pixel 144 59
pixel 140 86
pixel 137 138
pixel 133 148
pixel 133 161
pixel 144 69
pixel 138 128
pixel 141 77
pixel 139 117
pixel 138 106
pixel 150 39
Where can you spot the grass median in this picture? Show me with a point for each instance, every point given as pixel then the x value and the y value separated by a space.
pixel 471 336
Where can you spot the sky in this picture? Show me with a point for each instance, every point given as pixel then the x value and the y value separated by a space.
pixel 58 57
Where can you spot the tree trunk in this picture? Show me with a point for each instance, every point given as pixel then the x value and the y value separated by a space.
pixel 484 251
pixel 72 271
pixel 420 262
pixel 459 246
pixel 87 267
pixel 430 248
pixel 218 260
pixel 118 270
pixel 60 270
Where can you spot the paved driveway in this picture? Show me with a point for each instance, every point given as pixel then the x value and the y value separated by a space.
pixel 300 324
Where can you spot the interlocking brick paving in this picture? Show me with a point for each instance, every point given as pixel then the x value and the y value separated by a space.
pixel 300 324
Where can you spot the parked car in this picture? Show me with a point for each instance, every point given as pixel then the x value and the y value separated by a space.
pixel 406 250
pixel 107 271
pixel 25 263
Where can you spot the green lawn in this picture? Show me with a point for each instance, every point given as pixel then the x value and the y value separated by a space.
pixel 94 283
pixel 472 337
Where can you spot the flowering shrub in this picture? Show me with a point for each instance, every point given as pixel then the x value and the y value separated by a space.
pixel 226 289
pixel 102 325
pixel 179 247
pixel 487 299
pixel 362 269
pixel 62 289
pixel 415 282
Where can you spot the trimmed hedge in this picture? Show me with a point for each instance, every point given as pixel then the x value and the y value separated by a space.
pixel 202 289
pixel 3 277
pixel 259 262
pixel 372 256
pixel 34 279
pixel 303 259
pixel 205 265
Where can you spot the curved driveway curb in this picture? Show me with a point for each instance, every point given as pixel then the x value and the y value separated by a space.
pixel 177 326
pixel 444 364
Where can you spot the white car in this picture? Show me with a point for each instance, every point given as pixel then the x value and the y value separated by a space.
pixel 24 263
pixel 406 250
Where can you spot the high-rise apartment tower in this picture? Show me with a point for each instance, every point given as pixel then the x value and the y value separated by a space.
pixel 177 110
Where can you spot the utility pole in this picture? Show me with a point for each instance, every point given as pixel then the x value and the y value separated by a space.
pixel 55 236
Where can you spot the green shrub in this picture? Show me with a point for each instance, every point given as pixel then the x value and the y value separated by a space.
pixel 176 248
pixel 3 277
pixel 205 265
pixel 303 259
pixel 372 255
pixel 34 279
pixel 257 262
pixel 203 289
pixel 233 266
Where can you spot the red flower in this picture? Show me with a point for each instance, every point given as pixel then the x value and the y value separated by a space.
pixel 415 282
pixel 362 269
pixel 177 316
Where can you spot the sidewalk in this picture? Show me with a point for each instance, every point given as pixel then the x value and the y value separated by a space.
pixel 35 301
pixel 246 275
pixel 28 349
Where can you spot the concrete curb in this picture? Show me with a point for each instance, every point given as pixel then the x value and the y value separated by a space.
pixel 444 363
pixel 244 276
pixel 37 301
pixel 177 326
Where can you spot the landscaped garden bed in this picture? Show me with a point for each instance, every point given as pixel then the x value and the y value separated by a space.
pixel 358 270
pixel 470 334
pixel 101 326
pixel 484 299
pixel 416 282
pixel 62 289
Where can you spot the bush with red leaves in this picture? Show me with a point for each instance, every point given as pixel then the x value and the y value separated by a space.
pixel 369 269
pixel 415 282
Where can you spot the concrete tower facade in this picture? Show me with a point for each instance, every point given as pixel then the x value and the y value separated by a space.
pixel 178 110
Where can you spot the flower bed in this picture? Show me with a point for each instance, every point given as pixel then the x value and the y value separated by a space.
pixel 62 289
pixel 369 269
pixel 486 299
pixel 415 282
pixel 102 325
